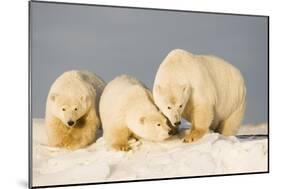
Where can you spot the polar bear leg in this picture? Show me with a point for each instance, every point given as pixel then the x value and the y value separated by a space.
pixel 201 120
pixel 231 125
pixel 118 138
pixel 55 129
pixel 82 137
pixel 92 123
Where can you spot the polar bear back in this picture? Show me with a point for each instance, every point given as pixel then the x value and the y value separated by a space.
pixel 69 83
pixel 228 82
pixel 116 96
pixel 75 83
pixel 77 80
pixel 211 79
pixel 96 84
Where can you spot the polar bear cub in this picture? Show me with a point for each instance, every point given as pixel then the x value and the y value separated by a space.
pixel 203 89
pixel 127 109
pixel 72 115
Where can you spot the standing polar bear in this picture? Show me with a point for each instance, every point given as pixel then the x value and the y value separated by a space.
pixel 127 109
pixel 72 115
pixel 203 89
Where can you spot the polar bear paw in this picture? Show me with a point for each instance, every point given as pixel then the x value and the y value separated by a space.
pixel 123 147
pixel 194 135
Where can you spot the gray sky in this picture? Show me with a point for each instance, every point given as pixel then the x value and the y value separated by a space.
pixel 114 41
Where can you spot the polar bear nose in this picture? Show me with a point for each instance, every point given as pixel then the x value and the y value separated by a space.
pixel 173 132
pixel 177 123
pixel 70 123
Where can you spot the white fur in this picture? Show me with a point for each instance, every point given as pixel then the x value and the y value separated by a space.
pixel 74 96
pixel 211 91
pixel 126 108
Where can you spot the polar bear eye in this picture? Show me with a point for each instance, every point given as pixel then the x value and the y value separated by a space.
pixel 75 109
pixel 169 107
pixel 181 106
pixel 158 124
pixel 63 109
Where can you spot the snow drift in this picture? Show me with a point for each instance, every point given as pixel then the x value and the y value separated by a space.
pixel 213 154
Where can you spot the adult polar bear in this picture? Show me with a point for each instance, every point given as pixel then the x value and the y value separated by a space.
pixel 127 109
pixel 72 115
pixel 203 89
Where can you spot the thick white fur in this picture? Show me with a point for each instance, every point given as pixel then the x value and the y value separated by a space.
pixel 127 108
pixel 74 96
pixel 211 91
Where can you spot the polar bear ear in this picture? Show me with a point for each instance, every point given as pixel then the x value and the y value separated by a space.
pixel 142 120
pixel 159 89
pixel 53 96
pixel 184 89
pixel 84 98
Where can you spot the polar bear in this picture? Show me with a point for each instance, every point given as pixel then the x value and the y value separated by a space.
pixel 71 109
pixel 203 89
pixel 127 109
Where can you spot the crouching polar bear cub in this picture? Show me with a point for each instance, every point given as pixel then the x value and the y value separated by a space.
pixel 203 89
pixel 127 109
pixel 71 110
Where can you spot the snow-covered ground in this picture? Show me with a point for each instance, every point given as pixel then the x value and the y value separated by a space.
pixel 213 154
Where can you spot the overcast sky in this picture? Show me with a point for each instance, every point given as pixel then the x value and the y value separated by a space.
pixel 114 41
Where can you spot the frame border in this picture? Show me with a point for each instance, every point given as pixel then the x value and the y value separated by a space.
pixel 30 125
pixel 30 151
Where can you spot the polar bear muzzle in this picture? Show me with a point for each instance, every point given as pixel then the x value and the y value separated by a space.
pixel 173 130
pixel 70 123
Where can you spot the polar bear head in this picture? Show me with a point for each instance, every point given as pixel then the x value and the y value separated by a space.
pixel 171 101
pixel 69 108
pixel 153 126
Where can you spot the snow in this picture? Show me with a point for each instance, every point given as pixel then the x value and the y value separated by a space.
pixel 213 154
